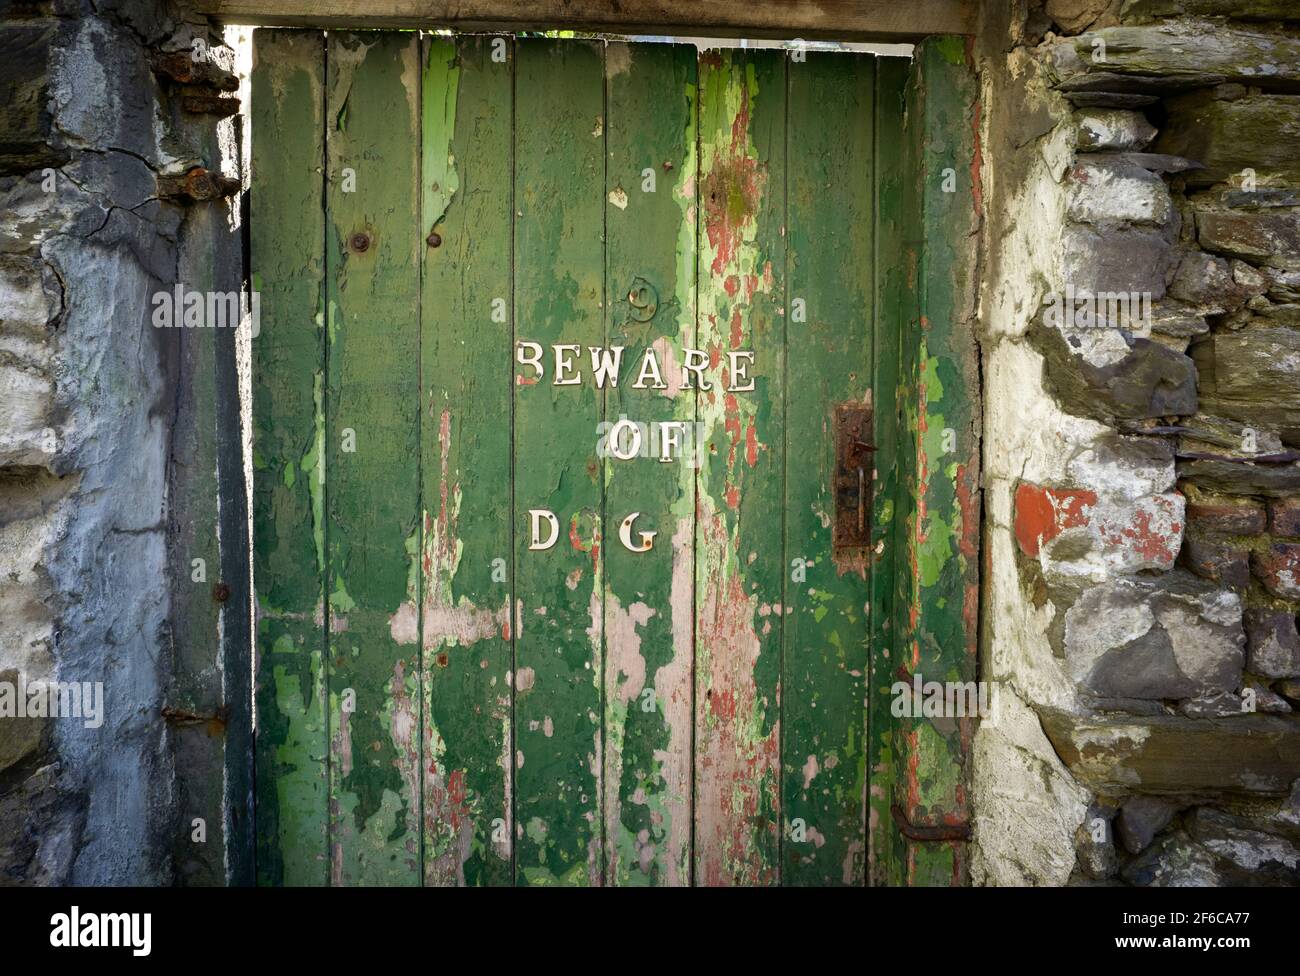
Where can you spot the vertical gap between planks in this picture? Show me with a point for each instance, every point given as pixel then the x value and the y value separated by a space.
pixel 605 313
pixel 875 410
pixel 695 483
pixel 917 364
pixel 909 376
pixel 695 479
pixel 423 49
pixel 512 613
pixel 785 467
pixel 322 472
pixel 870 676
pixel 248 425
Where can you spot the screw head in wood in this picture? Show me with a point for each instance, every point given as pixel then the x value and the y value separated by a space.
pixel 359 242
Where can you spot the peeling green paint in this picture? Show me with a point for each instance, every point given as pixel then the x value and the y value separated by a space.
pixel 934 613
pixel 464 609
pixel 559 288
pixel 528 716
pixel 830 192
pixel 372 493
pixel 647 625
pixel 739 487
pixel 288 248
pixel 313 463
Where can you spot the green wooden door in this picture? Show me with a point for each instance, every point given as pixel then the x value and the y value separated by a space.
pixel 548 476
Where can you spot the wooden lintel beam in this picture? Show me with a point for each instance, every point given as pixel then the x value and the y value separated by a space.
pixel 848 20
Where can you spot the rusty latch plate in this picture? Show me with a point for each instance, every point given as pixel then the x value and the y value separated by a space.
pixel 853 470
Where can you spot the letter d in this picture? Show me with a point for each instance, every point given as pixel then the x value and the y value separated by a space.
pixel 537 515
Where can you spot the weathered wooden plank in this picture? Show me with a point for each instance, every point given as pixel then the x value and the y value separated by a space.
pixel 209 606
pixel 374 248
pixel 739 560
pixel 287 252
pixel 940 396
pixel 465 436
pixel 895 274
pixel 194 560
pixel 830 178
pixel 649 606
pixel 844 19
pixel 559 298
pixel 903 732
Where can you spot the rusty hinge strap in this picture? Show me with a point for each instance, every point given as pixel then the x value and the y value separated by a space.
pixel 215 719
pixel 926 832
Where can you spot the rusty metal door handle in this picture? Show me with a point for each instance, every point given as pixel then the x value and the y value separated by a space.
pixel 862 522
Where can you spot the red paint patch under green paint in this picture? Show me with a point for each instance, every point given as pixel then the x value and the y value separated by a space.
pixel 1043 513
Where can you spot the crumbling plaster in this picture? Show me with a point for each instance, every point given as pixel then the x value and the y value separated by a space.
pixel 91 457
pixel 1026 805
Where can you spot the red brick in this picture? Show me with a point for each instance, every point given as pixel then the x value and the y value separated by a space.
pixel 1278 568
pixel 1226 518
pixel 1284 516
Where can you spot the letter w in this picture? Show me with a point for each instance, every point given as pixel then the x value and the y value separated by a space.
pixel 606 366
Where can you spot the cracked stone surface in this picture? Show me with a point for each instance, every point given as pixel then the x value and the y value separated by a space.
pixel 88 394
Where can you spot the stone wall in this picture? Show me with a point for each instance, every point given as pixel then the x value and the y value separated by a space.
pixel 111 148
pixel 1143 576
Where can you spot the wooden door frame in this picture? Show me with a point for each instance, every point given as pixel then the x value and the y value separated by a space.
pixel 925 618
pixel 847 20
